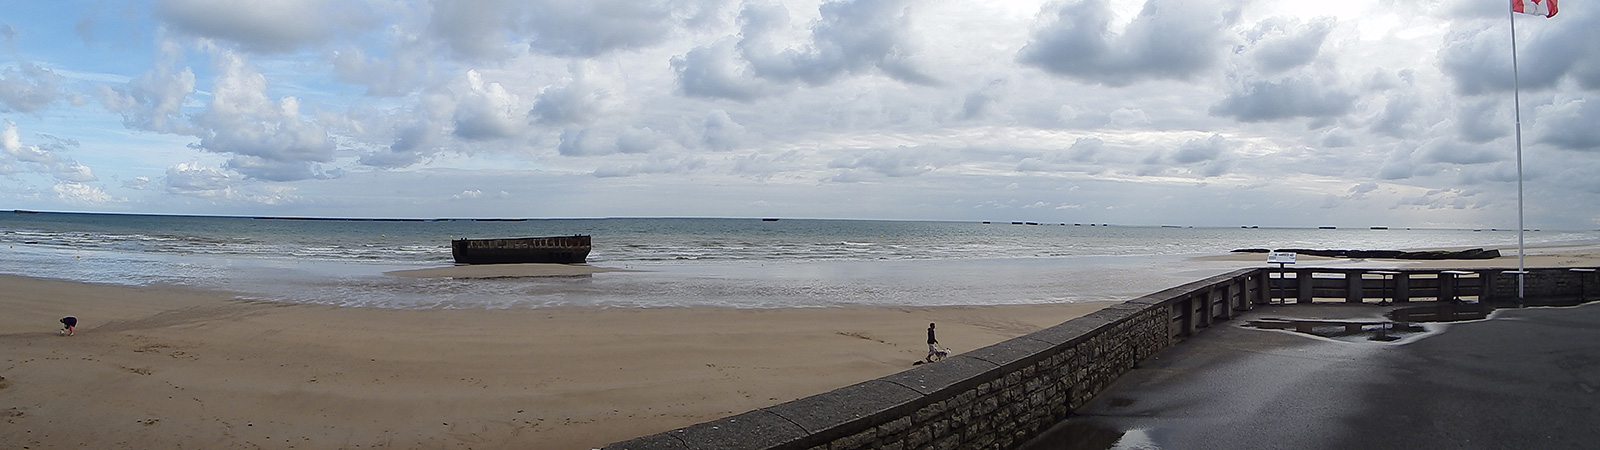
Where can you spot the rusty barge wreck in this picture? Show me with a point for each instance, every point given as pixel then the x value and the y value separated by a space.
pixel 553 249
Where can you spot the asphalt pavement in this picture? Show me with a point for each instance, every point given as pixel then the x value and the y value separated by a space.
pixel 1524 378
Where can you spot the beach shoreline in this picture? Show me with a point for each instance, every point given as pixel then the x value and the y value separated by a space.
pixel 170 367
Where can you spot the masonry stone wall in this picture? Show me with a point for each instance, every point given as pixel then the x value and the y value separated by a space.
pixel 1548 283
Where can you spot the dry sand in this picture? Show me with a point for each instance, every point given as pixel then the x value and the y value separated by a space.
pixel 169 368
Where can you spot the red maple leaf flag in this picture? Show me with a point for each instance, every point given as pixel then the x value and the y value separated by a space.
pixel 1545 8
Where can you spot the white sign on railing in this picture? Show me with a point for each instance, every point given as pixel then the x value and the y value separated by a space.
pixel 1280 258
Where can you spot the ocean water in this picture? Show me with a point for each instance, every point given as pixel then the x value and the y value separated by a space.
pixel 747 263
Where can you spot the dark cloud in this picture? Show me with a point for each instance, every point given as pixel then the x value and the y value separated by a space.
pixel 28 88
pixel 1397 116
pixel 713 71
pixel 1296 96
pixel 893 163
pixel 266 27
pixel 978 101
pixel 1201 150
pixel 487 29
pixel 721 132
pixel 1282 44
pixel 474 30
pixel 575 102
pixel 1448 151
pixel 594 27
pixel 1571 125
pixel 851 37
pixel 1169 39
pixel 1483 120
pixel 1476 55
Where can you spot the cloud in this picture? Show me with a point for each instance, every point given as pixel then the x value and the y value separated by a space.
pixel 721 132
pixel 28 87
pixel 1476 56
pixel 266 27
pixel 655 164
pixel 193 179
pixel 81 194
pixel 894 163
pixel 1201 150
pixel 1398 114
pixel 1570 124
pixel 1281 44
pixel 713 71
pixel 1170 39
pixel 268 140
pixel 1451 152
pixel 474 30
pixel 576 102
pixel 851 37
pixel 406 65
pixel 1483 120
pixel 154 100
pixel 41 159
pixel 1293 97
pixel 595 27
pixel 978 101
pixel 486 110
pixel 487 29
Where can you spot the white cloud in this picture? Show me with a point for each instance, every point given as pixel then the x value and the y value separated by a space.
pixel 487 111
pixel 28 87
pixel 34 158
pixel 268 139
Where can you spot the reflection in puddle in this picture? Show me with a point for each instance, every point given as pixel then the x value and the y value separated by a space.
pixel 1402 323
pixel 1086 435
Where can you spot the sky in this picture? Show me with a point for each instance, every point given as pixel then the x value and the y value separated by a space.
pixel 1354 113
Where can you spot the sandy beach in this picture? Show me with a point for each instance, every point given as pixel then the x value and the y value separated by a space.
pixel 165 367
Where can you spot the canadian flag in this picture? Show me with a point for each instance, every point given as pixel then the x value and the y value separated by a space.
pixel 1545 8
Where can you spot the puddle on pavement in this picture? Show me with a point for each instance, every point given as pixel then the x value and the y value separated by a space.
pixel 1086 435
pixel 1401 323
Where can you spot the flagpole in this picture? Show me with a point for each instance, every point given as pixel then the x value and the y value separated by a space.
pixel 1516 96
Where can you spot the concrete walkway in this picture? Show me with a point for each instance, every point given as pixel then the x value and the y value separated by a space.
pixel 1526 378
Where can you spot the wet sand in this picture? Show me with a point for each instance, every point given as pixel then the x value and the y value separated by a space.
pixel 167 367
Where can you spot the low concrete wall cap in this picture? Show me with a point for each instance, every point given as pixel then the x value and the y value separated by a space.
pixel 828 414
pixel 753 430
pixel 1013 353
pixel 955 370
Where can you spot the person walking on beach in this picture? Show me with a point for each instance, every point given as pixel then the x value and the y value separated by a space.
pixel 933 347
pixel 69 325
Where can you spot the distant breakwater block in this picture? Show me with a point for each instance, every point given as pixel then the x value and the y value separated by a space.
pixel 1473 253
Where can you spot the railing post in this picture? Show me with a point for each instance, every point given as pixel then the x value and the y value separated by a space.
pixel 1353 281
pixel 1304 278
pixel 1402 287
pixel 1263 287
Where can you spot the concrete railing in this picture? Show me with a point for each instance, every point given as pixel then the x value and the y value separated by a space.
pixel 1000 396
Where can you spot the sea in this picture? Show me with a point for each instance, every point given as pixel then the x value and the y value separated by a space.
pixel 676 262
